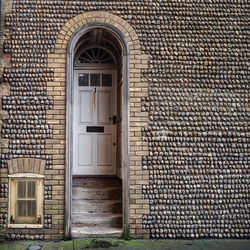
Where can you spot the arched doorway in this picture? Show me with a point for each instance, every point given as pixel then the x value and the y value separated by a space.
pixel 97 127
pixel 132 90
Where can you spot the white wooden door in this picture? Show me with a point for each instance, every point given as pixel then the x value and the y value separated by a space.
pixel 94 122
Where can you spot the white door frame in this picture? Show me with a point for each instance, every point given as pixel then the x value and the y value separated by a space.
pixel 125 124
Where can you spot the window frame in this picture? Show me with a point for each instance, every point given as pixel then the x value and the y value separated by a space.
pixel 13 198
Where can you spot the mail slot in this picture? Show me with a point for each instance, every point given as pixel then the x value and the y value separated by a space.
pixel 95 129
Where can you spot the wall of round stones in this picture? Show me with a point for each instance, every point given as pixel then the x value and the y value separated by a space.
pixel 198 108
pixel 5 6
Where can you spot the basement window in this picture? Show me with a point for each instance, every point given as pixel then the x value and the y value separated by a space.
pixel 26 201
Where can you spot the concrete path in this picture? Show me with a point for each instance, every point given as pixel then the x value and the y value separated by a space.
pixel 99 244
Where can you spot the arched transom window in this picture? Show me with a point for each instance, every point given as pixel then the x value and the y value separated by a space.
pixel 95 55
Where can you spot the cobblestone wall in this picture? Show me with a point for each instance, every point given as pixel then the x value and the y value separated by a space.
pixel 4 90
pixel 198 106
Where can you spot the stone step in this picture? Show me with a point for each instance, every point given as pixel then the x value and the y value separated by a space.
pixel 95 206
pixel 95 232
pixel 96 193
pixel 96 182
pixel 97 219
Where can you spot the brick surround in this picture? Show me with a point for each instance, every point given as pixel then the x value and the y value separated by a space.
pixel 138 119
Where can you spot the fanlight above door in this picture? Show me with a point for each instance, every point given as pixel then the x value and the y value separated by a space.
pixel 95 55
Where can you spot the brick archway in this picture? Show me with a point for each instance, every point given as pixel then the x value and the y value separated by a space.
pixel 75 24
pixel 61 90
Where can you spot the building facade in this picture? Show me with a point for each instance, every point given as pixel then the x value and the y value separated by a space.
pixel 124 118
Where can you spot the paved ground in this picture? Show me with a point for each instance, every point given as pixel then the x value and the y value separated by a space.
pixel 130 245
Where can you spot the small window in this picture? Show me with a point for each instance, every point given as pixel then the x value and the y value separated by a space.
pixel 94 79
pixel 107 80
pixel 26 201
pixel 83 79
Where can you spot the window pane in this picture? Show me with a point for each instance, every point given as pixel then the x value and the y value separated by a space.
pixel 83 79
pixel 31 189
pixel 31 208
pixel 95 80
pixel 21 208
pixel 21 189
pixel 106 80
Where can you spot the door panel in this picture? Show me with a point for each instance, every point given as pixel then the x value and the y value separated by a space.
pixel 86 111
pixel 85 150
pixel 104 150
pixel 104 107
pixel 94 102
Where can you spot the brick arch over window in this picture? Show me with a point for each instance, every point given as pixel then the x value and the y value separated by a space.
pixel 26 165
pixel 61 90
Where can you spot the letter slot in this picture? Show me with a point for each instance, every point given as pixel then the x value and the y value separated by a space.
pixel 95 129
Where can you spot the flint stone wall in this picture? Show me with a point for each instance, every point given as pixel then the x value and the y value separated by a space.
pixel 198 106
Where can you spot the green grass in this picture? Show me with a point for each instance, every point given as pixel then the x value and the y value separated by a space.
pixel 114 244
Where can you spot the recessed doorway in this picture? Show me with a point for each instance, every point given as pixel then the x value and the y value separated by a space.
pixel 97 208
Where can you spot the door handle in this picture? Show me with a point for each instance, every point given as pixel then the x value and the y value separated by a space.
pixel 114 119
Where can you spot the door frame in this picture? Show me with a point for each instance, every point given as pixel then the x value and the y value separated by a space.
pixel 125 125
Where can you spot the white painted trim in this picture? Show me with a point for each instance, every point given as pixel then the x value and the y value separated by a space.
pixel 93 66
